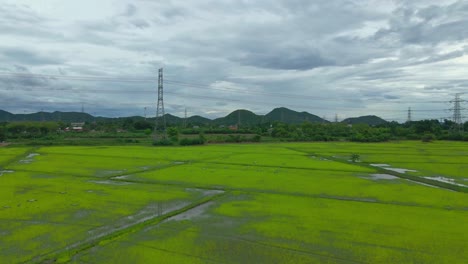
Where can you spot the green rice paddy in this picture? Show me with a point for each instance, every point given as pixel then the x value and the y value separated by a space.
pixel 252 203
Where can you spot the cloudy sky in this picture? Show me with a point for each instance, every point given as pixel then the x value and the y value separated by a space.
pixel 342 57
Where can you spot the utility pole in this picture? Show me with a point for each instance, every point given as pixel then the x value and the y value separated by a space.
pixel 409 115
pixel 238 118
pixel 160 122
pixel 145 113
pixel 457 117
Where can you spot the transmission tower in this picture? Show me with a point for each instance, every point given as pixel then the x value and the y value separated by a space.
pixel 409 115
pixel 336 118
pixel 160 123
pixel 185 118
pixel 457 117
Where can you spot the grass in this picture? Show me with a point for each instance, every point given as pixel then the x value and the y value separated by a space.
pixel 284 203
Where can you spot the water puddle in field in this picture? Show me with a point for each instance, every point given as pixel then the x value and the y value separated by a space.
pixel 319 158
pixel 147 213
pixel 97 192
pixel 205 192
pixel 150 212
pixel 29 158
pixel 190 214
pixel 387 167
pixel 83 213
pixel 400 170
pixel 123 177
pixel 5 171
pixel 110 182
pixel 178 162
pixel 379 176
pixel 380 165
pixel 445 180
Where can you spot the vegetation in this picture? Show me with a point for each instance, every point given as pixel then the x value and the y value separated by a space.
pixel 262 203
pixel 281 124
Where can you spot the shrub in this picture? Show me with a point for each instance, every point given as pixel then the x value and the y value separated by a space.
pixel 427 137
pixel 162 142
pixel 355 157
pixel 191 141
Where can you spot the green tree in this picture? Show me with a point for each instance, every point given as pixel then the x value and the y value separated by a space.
pixel 355 157
pixel 173 134
pixel 2 134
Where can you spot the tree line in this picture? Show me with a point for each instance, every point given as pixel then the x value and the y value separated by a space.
pixel 425 130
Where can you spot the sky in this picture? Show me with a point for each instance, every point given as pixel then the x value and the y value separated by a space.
pixel 330 58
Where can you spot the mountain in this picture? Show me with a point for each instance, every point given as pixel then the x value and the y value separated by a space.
pixel 46 116
pixel 5 116
pixel 173 120
pixel 242 117
pixel 371 120
pixel 283 114
pixel 198 120
pixel 245 117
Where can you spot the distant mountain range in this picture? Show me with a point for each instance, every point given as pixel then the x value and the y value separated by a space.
pixel 241 116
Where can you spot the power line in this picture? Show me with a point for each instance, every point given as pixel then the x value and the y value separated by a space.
pixel 186 84
pixel 191 96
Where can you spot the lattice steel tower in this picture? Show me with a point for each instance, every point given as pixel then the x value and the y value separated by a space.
pixel 409 115
pixel 457 117
pixel 160 122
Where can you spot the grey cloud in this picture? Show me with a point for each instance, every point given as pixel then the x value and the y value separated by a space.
pixel 443 57
pixel 391 97
pixel 19 14
pixel 131 10
pixel 140 23
pixel 27 57
pixel 21 68
pixel 381 75
pixel 286 60
pixel 431 25
pixel 19 20
pixel 221 103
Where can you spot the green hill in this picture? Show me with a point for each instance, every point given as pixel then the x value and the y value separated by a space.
pixel 6 116
pixel 283 114
pixel 371 120
pixel 46 116
pixel 198 120
pixel 242 117
pixel 245 117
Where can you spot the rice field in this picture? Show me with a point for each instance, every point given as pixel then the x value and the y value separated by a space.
pixel 243 203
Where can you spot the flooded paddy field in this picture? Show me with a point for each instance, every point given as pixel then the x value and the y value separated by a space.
pixel 254 203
